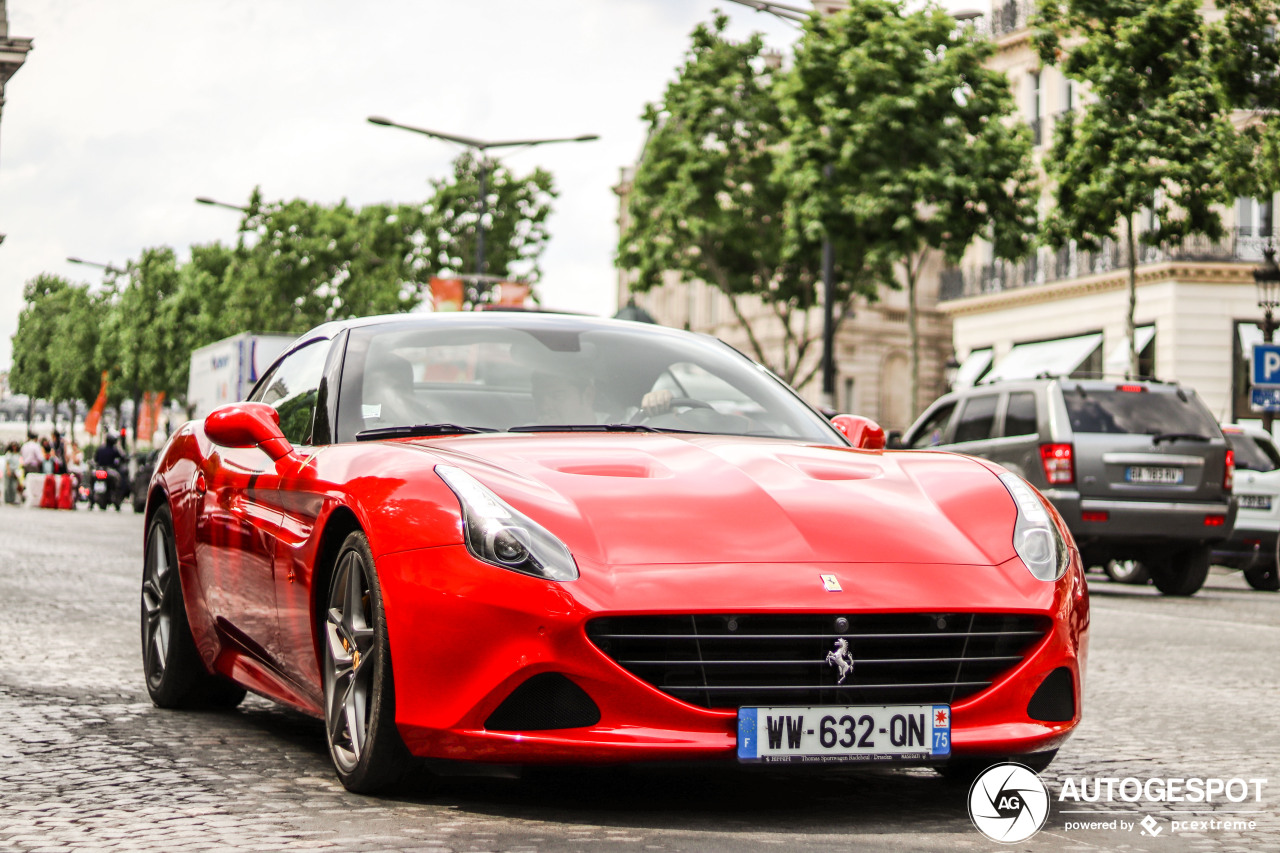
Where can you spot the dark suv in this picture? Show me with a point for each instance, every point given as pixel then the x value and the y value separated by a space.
pixel 1139 469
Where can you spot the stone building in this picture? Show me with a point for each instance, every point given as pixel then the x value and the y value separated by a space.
pixel 1064 312
pixel 13 52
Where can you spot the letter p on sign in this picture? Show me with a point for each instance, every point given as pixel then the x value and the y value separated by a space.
pixel 1266 365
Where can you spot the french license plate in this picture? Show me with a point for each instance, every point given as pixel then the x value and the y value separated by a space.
pixel 1145 474
pixel 844 733
pixel 1255 501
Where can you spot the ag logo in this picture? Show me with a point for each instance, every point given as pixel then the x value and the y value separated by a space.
pixel 1008 803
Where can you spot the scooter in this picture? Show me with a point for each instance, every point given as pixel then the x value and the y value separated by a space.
pixel 107 488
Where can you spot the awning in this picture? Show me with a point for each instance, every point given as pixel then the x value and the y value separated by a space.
pixel 1118 361
pixel 972 369
pixel 1049 358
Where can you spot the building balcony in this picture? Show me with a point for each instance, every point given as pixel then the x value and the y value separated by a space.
pixel 1007 17
pixel 1241 244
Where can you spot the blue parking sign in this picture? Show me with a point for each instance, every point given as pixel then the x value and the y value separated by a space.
pixel 1266 365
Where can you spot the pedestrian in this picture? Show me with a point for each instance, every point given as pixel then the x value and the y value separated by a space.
pixel 12 473
pixel 46 451
pixel 32 455
pixel 58 453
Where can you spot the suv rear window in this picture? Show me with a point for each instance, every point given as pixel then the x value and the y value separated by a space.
pixel 1252 454
pixel 1140 412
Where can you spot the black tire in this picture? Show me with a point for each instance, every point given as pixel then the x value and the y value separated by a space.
pixel 962 771
pixel 1264 578
pixel 1128 571
pixel 1183 573
pixel 359 692
pixel 175 675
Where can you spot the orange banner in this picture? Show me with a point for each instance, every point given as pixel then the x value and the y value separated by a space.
pixel 146 421
pixel 157 412
pixel 513 293
pixel 94 417
pixel 447 294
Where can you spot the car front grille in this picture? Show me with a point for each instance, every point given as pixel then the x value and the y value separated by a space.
pixel 727 661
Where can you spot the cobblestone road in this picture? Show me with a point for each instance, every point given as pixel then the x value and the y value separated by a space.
pixel 1176 688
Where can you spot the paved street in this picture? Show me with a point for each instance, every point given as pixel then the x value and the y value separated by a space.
pixel 1176 688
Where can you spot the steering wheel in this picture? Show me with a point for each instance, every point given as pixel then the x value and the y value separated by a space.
pixel 684 402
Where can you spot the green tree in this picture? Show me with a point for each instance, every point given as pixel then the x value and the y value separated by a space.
pixel 515 224
pixel 1152 135
pixel 901 140
pixel 76 376
pixel 1246 59
pixel 46 298
pixel 707 201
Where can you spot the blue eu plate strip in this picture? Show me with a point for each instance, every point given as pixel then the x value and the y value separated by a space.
pixel 747 733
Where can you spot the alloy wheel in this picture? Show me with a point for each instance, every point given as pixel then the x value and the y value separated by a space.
pixel 157 612
pixel 350 661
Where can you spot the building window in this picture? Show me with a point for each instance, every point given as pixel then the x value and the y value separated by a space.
pixel 848 396
pixel 1253 217
pixel 1244 335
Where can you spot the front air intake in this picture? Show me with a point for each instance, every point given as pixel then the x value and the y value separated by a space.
pixel 546 701
pixel 1055 699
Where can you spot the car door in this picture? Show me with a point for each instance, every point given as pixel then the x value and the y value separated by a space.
pixel 1018 445
pixel 975 426
pixel 243 509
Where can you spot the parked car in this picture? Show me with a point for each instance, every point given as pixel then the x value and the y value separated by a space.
pixel 1140 470
pixel 543 539
pixel 1252 546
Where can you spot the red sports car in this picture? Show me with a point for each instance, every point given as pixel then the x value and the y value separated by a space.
pixel 531 538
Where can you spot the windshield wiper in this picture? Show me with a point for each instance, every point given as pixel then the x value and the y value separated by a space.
pixel 588 428
pixel 1179 436
pixel 418 430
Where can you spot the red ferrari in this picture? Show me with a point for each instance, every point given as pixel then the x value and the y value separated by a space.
pixel 530 538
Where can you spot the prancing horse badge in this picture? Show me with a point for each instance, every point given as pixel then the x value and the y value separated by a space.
pixel 831 583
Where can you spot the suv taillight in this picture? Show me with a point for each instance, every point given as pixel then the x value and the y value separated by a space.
pixel 1058 468
pixel 1229 477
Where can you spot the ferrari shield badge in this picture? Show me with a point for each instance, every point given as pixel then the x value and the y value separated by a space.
pixel 841 659
pixel 831 583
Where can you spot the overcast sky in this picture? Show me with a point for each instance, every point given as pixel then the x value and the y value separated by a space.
pixel 127 110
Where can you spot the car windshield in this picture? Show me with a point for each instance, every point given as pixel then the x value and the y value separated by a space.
pixel 559 373
pixel 1253 454
pixel 1142 412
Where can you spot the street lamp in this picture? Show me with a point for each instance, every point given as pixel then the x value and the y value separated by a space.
pixel 480 146
pixel 106 267
pixel 204 199
pixel 1267 279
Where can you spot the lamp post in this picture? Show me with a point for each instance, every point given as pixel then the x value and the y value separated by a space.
pixel 1267 279
pixel 481 146
pixel 204 199
pixel 106 267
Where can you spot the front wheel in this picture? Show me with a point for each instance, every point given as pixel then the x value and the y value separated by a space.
pixel 1264 578
pixel 1183 573
pixel 176 677
pixel 359 693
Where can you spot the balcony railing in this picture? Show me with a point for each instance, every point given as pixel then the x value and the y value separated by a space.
pixel 1243 244
pixel 1010 16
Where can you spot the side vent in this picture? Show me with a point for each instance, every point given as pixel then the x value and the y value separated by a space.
pixel 1055 699
pixel 546 701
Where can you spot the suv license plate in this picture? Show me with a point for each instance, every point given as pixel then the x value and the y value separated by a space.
pixel 1255 501
pixel 1143 474
pixel 844 733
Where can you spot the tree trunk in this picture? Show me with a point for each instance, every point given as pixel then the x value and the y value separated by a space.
pixel 1133 301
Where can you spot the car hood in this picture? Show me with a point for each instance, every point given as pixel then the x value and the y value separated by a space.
pixel 659 499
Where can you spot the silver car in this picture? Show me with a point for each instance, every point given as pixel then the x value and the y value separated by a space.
pixel 1140 470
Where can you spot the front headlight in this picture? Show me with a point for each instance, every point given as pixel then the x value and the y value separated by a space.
pixel 501 535
pixel 1035 537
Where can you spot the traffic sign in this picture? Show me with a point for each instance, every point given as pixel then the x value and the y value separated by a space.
pixel 1266 365
pixel 1265 399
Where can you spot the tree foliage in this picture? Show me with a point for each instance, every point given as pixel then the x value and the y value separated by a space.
pixel 515 222
pixel 56 340
pixel 1245 55
pixel 707 201
pixel 1152 135
pixel 900 141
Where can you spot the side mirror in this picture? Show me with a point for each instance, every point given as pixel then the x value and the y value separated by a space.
pixel 248 425
pixel 863 433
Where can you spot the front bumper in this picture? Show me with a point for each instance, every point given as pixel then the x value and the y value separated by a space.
pixel 465 635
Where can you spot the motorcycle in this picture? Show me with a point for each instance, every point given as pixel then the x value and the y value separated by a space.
pixel 107 488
